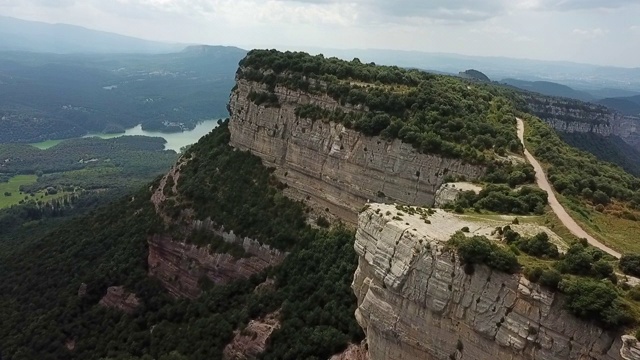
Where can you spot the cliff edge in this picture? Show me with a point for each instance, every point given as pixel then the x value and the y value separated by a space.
pixel 415 300
pixel 331 166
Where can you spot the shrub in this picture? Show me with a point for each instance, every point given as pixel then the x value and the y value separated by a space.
pixel 539 246
pixel 630 264
pixel 634 293
pixel 595 300
pixel 577 261
pixel 480 250
pixel 323 222
pixel 534 274
pixel 550 278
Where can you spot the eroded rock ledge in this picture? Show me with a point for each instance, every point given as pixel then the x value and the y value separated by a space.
pixel 118 298
pixel 330 166
pixel 182 267
pixel 416 302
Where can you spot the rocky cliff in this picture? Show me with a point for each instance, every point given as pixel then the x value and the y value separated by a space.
pixel 118 298
pixel 415 301
pixel 566 115
pixel 182 267
pixel 328 165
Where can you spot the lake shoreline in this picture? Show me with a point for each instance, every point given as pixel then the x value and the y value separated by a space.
pixel 174 140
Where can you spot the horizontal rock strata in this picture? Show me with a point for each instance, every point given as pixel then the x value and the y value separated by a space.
pixel 416 302
pixel 330 166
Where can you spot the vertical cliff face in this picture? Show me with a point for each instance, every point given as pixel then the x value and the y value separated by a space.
pixel 416 302
pixel 571 116
pixel 329 165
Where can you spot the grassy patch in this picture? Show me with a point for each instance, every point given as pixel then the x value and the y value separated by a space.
pixel 44 145
pixel 13 187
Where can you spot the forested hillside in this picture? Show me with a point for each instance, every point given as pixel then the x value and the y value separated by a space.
pixel 53 275
pixel 45 273
pixel 46 96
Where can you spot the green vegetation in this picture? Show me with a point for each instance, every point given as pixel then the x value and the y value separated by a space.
pixel 44 145
pixel 312 288
pixel 53 96
pixel 599 195
pixel 11 189
pixel 480 250
pixel 264 214
pixel 537 246
pixel 630 264
pixel 264 98
pixel 88 163
pixel 502 199
pixel 436 114
pixel 610 148
pixel 578 174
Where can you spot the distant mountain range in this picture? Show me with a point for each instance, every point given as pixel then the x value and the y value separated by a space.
pixel 549 88
pixel 611 81
pixel 32 36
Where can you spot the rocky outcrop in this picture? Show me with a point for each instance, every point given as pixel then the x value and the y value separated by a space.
pixel 252 340
pixel 566 115
pixel 118 298
pixel 449 192
pixel 415 301
pixel 182 267
pixel 330 166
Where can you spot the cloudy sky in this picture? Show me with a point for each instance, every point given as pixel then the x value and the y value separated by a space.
pixel 605 32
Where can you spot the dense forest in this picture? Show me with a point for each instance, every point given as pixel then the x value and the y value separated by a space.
pixel 88 163
pixel 47 96
pixel 42 311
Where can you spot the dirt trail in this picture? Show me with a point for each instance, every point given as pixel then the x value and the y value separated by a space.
pixel 557 208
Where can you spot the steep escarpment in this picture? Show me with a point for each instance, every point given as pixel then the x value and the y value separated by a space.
pixel 184 268
pixel 573 116
pixel 331 165
pixel 415 301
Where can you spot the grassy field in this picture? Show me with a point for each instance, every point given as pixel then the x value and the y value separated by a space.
pixel 619 233
pixel 44 145
pixel 13 187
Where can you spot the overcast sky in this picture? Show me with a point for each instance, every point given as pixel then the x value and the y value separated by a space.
pixel 603 32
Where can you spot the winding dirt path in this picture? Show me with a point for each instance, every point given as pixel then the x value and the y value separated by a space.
pixel 557 208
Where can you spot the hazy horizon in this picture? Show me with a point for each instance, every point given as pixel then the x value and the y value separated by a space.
pixel 599 32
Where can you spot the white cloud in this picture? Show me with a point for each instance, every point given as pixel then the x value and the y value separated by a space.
pixel 591 33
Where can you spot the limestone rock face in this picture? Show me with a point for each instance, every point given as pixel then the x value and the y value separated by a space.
pixel 449 192
pixel 416 302
pixel 571 116
pixel 180 267
pixel 329 165
pixel 118 298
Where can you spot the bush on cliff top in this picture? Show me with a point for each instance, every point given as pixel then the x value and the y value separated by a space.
pixel 480 250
